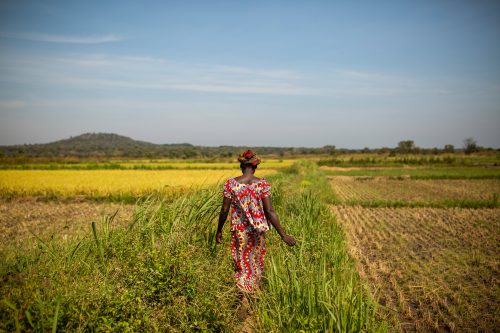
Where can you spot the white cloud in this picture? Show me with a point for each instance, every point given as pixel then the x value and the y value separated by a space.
pixel 41 37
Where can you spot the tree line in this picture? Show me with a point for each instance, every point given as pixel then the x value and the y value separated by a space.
pixel 107 145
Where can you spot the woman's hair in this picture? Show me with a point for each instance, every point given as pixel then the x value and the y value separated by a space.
pixel 248 159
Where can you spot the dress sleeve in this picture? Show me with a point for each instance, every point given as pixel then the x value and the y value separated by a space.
pixel 266 189
pixel 227 189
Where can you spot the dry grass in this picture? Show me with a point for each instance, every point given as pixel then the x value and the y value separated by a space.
pixel 21 218
pixel 349 189
pixel 438 268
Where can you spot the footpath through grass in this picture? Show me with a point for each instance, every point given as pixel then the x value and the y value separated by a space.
pixel 163 272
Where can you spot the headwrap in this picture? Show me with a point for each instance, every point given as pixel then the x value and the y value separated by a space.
pixel 249 157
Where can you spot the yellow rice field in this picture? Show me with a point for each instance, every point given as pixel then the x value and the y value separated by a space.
pixel 108 182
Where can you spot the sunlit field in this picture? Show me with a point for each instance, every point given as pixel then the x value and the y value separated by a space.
pixel 364 137
pixel 107 182
pixel 383 247
pixel 380 191
pixel 426 240
pixel 437 267
pixel 162 271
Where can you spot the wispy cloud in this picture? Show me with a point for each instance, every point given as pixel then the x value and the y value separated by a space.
pixel 348 82
pixel 129 72
pixel 11 104
pixel 42 37
pixel 95 71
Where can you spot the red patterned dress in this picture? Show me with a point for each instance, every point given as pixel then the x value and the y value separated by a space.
pixel 248 227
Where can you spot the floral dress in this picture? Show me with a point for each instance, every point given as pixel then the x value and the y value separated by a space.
pixel 248 227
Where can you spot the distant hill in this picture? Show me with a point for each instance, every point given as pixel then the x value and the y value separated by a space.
pixel 108 145
pixel 96 145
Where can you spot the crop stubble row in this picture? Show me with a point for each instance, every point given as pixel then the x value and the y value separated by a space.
pixel 437 267
pixel 413 190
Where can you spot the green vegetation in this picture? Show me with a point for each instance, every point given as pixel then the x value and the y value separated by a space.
pixel 164 273
pixel 156 274
pixel 414 160
pixel 313 286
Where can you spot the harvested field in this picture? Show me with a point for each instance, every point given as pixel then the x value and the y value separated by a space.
pixel 413 191
pixel 438 268
pixel 21 217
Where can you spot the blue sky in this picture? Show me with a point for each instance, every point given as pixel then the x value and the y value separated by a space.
pixel 274 73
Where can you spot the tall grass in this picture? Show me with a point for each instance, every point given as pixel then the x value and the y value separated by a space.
pixel 313 286
pixel 164 272
pixel 161 273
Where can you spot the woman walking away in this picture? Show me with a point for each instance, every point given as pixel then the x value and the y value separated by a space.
pixel 251 210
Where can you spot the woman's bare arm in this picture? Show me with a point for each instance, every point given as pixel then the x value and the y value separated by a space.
pixel 224 211
pixel 273 218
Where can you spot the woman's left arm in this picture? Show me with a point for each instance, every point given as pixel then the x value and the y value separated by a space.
pixel 224 211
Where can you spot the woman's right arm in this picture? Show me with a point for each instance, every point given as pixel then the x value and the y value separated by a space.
pixel 273 218
pixel 224 211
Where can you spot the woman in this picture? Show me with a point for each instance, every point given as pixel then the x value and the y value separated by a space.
pixel 251 210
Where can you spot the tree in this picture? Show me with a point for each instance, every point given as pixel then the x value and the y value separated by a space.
pixel 329 149
pixel 449 148
pixel 406 146
pixel 470 145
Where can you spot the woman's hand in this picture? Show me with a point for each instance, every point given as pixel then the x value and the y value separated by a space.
pixel 218 237
pixel 289 240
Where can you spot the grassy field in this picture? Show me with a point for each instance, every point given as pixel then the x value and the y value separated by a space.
pixel 418 238
pixel 161 271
